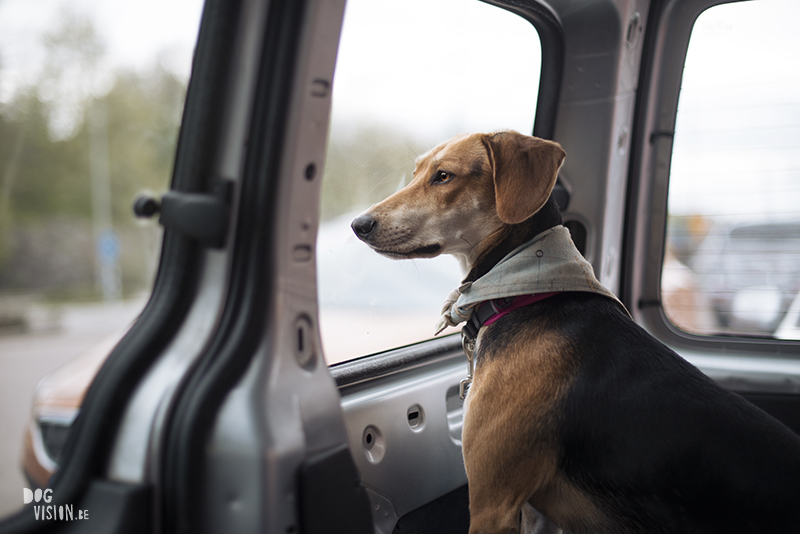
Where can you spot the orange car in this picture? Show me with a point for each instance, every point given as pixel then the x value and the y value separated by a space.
pixel 56 402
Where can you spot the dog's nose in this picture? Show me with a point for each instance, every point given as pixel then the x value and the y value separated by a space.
pixel 363 225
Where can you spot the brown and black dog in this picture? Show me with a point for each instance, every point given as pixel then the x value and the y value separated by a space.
pixel 575 409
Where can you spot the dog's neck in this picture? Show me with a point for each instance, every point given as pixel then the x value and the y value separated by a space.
pixel 510 236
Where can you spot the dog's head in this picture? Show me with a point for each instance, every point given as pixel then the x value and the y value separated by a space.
pixel 463 191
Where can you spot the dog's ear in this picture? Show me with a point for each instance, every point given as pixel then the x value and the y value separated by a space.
pixel 525 170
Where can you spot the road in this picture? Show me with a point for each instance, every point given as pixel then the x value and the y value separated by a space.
pixel 58 336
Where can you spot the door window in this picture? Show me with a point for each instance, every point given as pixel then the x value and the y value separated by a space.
pixel 409 75
pixel 91 97
pixel 732 259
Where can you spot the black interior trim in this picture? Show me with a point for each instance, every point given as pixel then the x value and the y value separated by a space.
pixel 394 361
pixel 449 513
pixel 332 497
pixel 552 37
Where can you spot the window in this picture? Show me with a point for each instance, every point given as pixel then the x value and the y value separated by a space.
pixel 732 261
pixel 404 83
pixel 91 97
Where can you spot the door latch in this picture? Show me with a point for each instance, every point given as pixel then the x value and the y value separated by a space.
pixel 199 216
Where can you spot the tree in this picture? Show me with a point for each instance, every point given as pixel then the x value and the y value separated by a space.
pixel 46 213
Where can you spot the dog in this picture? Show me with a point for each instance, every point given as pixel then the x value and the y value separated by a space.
pixel 578 419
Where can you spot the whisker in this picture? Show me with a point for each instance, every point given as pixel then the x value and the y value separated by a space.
pixel 471 246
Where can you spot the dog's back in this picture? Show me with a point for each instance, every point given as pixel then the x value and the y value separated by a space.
pixel 655 444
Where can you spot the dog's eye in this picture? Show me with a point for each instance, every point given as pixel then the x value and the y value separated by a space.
pixel 442 177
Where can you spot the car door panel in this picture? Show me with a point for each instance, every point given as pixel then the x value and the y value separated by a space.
pixel 405 433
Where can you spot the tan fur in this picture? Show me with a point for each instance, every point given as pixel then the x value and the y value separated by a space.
pixel 496 178
pixel 567 505
pixel 517 196
pixel 509 456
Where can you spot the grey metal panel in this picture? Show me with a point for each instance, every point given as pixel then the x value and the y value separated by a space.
pixel 135 456
pixel 595 118
pixel 287 405
pixel 405 466
pixel 236 486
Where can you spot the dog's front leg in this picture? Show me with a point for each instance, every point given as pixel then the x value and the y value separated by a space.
pixel 532 522
pixel 505 467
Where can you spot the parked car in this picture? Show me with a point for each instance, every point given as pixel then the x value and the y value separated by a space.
pixel 790 325
pixel 56 403
pixel 750 274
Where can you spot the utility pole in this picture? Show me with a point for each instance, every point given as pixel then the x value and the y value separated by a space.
pixel 108 275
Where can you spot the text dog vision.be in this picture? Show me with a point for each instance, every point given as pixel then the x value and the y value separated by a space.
pixel 50 512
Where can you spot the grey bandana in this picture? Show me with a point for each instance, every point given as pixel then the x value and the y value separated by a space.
pixel 549 262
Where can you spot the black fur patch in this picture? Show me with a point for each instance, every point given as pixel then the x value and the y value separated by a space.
pixel 476 169
pixel 658 445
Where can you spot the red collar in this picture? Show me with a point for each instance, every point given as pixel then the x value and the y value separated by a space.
pixel 491 311
pixel 502 307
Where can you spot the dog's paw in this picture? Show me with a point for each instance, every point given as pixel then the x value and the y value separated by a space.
pixel 532 522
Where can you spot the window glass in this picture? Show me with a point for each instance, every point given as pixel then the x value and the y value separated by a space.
pixel 409 75
pixel 732 262
pixel 91 96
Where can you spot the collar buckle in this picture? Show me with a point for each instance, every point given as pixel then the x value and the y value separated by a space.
pixel 468 344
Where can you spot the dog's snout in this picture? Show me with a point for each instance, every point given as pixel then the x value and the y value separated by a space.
pixel 363 226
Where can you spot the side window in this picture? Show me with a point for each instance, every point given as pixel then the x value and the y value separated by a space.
pixel 732 261
pixel 403 84
pixel 91 98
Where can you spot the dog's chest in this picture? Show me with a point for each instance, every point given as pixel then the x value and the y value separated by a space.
pixel 522 367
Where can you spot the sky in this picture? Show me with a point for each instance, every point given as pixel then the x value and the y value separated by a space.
pixel 737 142
pixel 441 74
pixel 420 79
pixel 134 33
pixel 445 72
